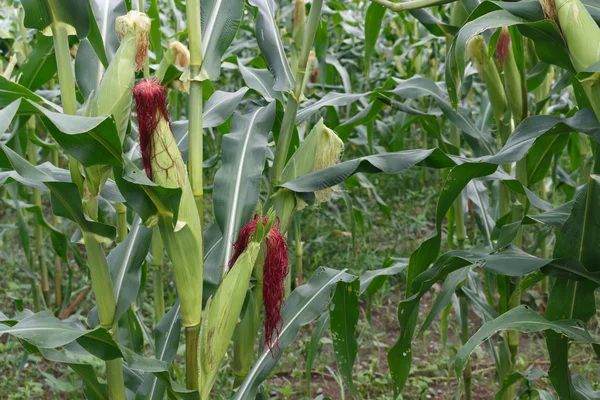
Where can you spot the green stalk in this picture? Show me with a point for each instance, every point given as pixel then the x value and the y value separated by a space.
pixel 464 336
pixel 121 210
pixel 66 79
pixel 105 300
pixel 58 273
pixel 459 220
pixel 192 335
pixel 289 116
pixel 299 252
pixel 157 256
pixel 195 161
pixel 411 5
pixel 195 104
pixel 38 232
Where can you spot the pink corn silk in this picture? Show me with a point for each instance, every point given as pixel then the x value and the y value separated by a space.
pixel 503 46
pixel 151 105
pixel 275 269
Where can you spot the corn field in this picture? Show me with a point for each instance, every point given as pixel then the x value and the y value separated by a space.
pixel 188 189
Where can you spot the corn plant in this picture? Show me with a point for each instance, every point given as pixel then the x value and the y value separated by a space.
pixel 204 130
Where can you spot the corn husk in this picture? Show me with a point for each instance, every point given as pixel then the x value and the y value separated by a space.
pixel 177 55
pixel 114 93
pixel 581 32
pixel 221 316
pixel 165 166
pixel 488 71
pixel 322 148
pixel 512 77
pixel 182 237
pixel 582 35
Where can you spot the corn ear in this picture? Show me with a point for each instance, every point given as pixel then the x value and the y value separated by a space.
pixel 582 35
pixel 298 32
pixel 221 315
pixel 164 165
pixel 177 55
pixel 114 97
pixel 488 71
pixel 114 93
pixel 322 148
pixel 512 77
pixel 580 31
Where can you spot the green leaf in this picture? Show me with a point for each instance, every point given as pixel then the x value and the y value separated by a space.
pixel 11 92
pixel 343 313
pixel 89 69
pixel 95 36
pixel 44 330
pixel 373 20
pixel 261 81
pixel 219 107
pixel 40 65
pixel 91 141
pixel 125 262
pixel 220 22
pixel 522 319
pixel 444 296
pixel 41 14
pixel 155 31
pixel 237 182
pixel 303 305
pixel 94 390
pixel 167 334
pixel 574 299
pixel 271 46
pixel 311 354
pixel 66 203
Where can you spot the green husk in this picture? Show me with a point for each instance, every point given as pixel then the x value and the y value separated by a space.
pixel 114 95
pixel 177 55
pixel 181 237
pixel 488 71
pixel 580 31
pixel 322 148
pixel 512 82
pixel 221 315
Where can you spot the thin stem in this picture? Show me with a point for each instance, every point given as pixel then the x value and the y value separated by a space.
pixel 411 5
pixel 105 300
pixel 299 252
pixel 65 68
pixel 464 335
pixel 192 335
pixel 291 109
pixel 58 273
pixel 114 374
pixel 121 210
pixel 66 79
pixel 459 220
pixel 195 104
pixel 195 161
pixel 38 232
pixel 157 256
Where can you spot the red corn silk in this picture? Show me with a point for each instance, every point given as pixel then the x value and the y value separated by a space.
pixel 503 46
pixel 275 269
pixel 151 105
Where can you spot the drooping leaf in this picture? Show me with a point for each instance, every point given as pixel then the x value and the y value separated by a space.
pixel 220 22
pixel 271 46
pixel 303 305
pixel 343 314
pixel 237 183
pixel 522 319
